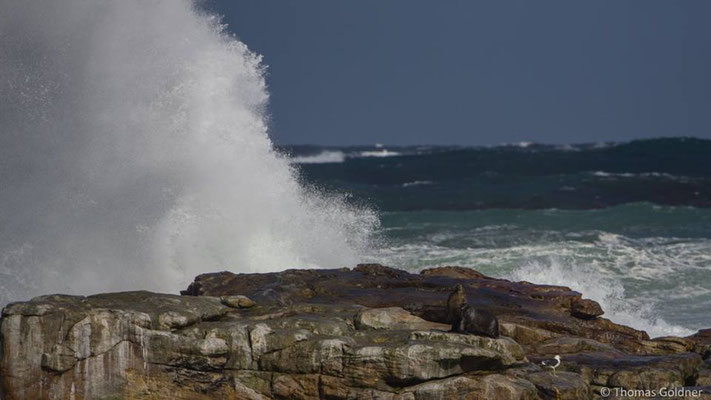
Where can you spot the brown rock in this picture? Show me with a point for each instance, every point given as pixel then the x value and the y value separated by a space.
pixel 585 309
pixel 453 272
pixel 702 341
pixel 562 385
pixel 704 376
pixel 634 372
pixel 237 301
pixel 525 335
pixel 424 295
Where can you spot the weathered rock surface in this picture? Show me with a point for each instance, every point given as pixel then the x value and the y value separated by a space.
pixel 585 309
pixel 424 295
pixel 368 333
pixel 237 301
pixel 394 318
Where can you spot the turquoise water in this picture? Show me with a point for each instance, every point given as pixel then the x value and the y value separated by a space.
pixel 648 265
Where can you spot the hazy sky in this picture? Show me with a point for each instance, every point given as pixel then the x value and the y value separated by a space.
pixel 480 72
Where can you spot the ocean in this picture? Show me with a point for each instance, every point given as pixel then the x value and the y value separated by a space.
pixel 626 224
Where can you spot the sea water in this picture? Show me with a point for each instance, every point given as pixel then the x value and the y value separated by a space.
pixel 626 224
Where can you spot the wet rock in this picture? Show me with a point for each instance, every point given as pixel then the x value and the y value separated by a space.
pixel 453 272
pixel 585 309
pixel 542 307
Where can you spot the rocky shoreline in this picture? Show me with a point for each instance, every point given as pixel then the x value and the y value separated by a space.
pixel 372 332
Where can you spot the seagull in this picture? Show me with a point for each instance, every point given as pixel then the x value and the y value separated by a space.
pixel 552 363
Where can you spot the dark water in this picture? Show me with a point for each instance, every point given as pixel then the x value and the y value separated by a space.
pixel 526 176
pixel 628 224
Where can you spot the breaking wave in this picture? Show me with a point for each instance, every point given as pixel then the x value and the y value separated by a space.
pixel 135 154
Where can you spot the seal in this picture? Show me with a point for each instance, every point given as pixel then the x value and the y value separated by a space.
pixel 467 319
pixel 456 300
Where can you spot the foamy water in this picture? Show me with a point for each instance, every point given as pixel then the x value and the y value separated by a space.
pixel 658 284
pixel 607 289
pixel 135 154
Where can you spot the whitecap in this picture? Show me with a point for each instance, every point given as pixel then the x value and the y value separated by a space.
pixel 324 157
pixel 416 183
pixel 379 153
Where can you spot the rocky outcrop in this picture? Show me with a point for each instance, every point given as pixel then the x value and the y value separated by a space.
pixel 369 333
pixel 550 308
pixel 129 345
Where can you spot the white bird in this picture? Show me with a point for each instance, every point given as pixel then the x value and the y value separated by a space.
pixel 552 363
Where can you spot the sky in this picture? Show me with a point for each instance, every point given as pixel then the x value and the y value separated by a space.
pixel 479 72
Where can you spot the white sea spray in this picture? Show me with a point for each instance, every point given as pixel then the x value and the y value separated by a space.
pixel 134 154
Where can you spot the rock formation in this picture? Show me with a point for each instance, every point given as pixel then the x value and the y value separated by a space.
pixel 368 333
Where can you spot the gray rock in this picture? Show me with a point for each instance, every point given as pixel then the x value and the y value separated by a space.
pixel 571 345
pixel 493 387
pixel 393 318
pixel 140 344
pixel 562 385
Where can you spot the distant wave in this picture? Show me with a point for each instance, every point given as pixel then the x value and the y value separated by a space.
pixel 522 145
pixel 604 174
pixel 326 156
pixel 416 183
pixel 379 153
pixel 667 171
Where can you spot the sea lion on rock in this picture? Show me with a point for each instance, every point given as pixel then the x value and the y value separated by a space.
pixel 467 319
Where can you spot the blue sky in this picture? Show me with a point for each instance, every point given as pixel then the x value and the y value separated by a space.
pixel 480 72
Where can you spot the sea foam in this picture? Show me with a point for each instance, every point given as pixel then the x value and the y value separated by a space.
pixel 605 289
